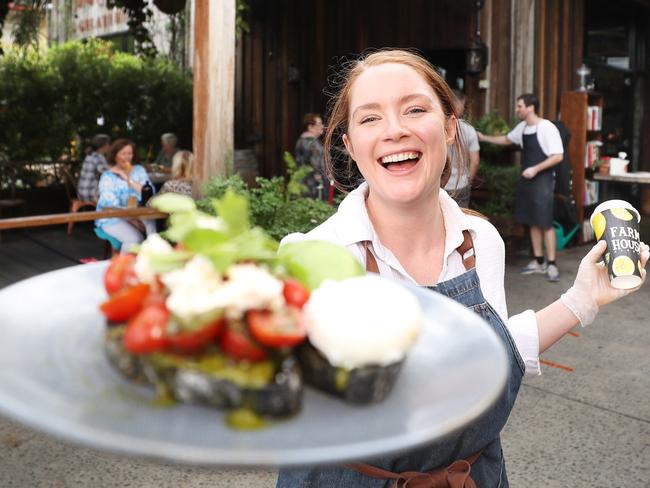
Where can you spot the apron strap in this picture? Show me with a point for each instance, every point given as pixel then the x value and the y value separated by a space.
pixel 456 475
pixel 466 251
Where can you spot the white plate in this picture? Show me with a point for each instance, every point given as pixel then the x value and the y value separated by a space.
pixel 54 377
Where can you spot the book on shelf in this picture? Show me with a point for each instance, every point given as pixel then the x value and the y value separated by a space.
pixel 592 153
pixel 594 117
pixel 591 192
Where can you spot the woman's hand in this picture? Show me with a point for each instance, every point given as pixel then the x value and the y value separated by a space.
pixel 120 172
pixel 592 288
pixel 595 274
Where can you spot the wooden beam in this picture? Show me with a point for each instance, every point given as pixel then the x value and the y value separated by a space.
pixel 214 88
pixel 56 219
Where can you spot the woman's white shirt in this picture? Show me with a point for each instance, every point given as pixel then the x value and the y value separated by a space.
pixel 350 227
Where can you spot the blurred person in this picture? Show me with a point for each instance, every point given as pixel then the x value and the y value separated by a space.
pixel 182 171
pixel 94 164
pixel 168 143
pixel 543 150
pixel 459 185
pixel 309 151
pixel 121 187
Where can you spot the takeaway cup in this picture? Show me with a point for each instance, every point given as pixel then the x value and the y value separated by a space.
pixel 617 223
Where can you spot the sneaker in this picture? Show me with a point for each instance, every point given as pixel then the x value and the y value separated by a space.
pixel 552 273
pixel 534 267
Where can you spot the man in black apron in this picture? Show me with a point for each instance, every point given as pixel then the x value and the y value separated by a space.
pixel 542 147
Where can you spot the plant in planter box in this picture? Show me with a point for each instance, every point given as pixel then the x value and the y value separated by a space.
pixel 276 205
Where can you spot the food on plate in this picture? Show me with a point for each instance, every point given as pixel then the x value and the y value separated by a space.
pixel 356 348
pixel 211 314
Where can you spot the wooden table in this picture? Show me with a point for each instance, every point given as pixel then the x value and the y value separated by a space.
pixel 639 178
pixel 56 219
pixel 626 186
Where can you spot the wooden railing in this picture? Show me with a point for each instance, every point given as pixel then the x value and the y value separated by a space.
pixel 64 218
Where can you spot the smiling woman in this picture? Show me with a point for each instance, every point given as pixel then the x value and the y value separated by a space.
pixel 394 115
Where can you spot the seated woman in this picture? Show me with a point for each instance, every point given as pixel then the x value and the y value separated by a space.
pixel 181 180
pixel 120 187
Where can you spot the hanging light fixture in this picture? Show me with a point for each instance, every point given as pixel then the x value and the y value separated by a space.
pixel 477 55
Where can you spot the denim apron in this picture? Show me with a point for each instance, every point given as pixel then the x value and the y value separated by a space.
pixel 477 448
pixel 534 197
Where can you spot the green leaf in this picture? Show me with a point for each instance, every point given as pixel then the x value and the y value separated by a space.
pixel 203 240
pixel 233 209
pixel 180 224
pixel 165 262
pixel 312 262
pixel 173 202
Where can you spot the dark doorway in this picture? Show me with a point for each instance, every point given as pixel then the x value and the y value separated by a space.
pixel 615 35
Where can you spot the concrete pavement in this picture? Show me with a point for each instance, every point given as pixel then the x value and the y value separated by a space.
pixel 584 423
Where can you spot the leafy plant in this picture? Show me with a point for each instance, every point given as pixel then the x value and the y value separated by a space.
pixel 491 124
pixel 139 14
pixel 296 174
pixel 500 181
pixel 276 206
pixel 48 99
pixel 241 23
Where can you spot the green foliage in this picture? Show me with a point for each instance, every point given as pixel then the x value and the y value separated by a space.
pixel 30 120
pixel 296 174
pixel 139 14
pixel 498 176
pixel 491 124
pixel 241 23
pixel 26 29
pixel 500 181
pixel 47 99
pixel 271 206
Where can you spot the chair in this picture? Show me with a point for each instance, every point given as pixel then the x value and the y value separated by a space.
pixel 112 245
pixel 76 204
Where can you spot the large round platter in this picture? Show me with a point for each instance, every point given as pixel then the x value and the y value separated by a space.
pixel 54 377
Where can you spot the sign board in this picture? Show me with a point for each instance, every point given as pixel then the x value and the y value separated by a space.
pixel 93 19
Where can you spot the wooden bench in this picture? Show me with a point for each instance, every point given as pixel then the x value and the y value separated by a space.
pixel 66 218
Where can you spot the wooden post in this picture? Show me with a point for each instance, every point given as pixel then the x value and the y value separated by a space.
pixel 522 53
pixel 214 88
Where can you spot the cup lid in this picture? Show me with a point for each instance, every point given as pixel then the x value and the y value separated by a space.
pixel 614 204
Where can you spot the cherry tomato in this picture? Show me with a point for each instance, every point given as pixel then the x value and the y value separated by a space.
pixel 120 273
pixel 145 333
pixel 236 343
pixel 125 303
pixel 193 341
pixel 277 329
pixel 155 297
pixel 294 293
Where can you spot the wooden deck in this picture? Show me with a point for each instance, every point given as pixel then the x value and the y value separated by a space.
pixel 29 252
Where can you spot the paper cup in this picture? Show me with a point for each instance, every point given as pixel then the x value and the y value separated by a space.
pixel 617 223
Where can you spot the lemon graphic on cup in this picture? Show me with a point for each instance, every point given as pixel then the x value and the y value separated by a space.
pixel 622 213
pixel 598 222
pixel 622 266
pixel 640 267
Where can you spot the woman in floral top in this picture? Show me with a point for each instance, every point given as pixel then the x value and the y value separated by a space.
pixel 120 187
pixel 309 151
